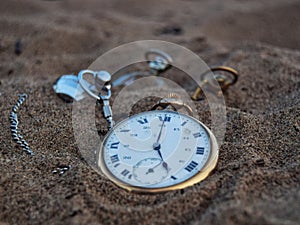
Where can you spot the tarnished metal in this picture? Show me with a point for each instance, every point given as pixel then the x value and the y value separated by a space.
pixel 224 80
pixel 68 88
pixel 102 81
pixel 173 102
pixel 161 62
pixel 158 62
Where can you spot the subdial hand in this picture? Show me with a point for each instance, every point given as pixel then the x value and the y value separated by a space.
pixel 164 164
pixel 149 171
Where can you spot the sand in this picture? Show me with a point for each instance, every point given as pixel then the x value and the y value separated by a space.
pixel 257 177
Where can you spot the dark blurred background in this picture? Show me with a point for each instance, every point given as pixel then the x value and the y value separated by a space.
pixel 57 36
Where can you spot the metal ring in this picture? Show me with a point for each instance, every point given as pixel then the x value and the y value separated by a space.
pixel 228 70
pixel 224 85
pixel 82 84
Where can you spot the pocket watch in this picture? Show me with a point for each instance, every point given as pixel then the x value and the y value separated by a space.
pixel 157 150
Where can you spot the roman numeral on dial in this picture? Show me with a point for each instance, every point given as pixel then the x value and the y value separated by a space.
pixel 200 151
pixel 114 158
pixel 183 123
pixel 166 118
pixel 143 121
pixel 196 135
pixel 124 131
pixel 115 145
pixel 191 166
pixel 125 172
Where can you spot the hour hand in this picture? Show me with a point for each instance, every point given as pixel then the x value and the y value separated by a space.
pixel 157 146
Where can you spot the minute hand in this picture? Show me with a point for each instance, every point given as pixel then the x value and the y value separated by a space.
pixel 159 135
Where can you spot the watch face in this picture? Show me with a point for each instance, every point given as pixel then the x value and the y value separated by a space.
pixel 158 151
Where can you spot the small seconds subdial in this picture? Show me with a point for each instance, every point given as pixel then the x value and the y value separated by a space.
pixel 156 149
pixel 150 171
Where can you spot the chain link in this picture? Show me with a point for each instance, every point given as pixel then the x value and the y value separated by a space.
pixel 14 122
pixel 106 108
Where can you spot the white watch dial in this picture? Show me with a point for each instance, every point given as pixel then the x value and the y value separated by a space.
pixel 155 149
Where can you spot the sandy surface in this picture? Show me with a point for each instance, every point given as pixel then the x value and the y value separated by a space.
pixel 257 177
